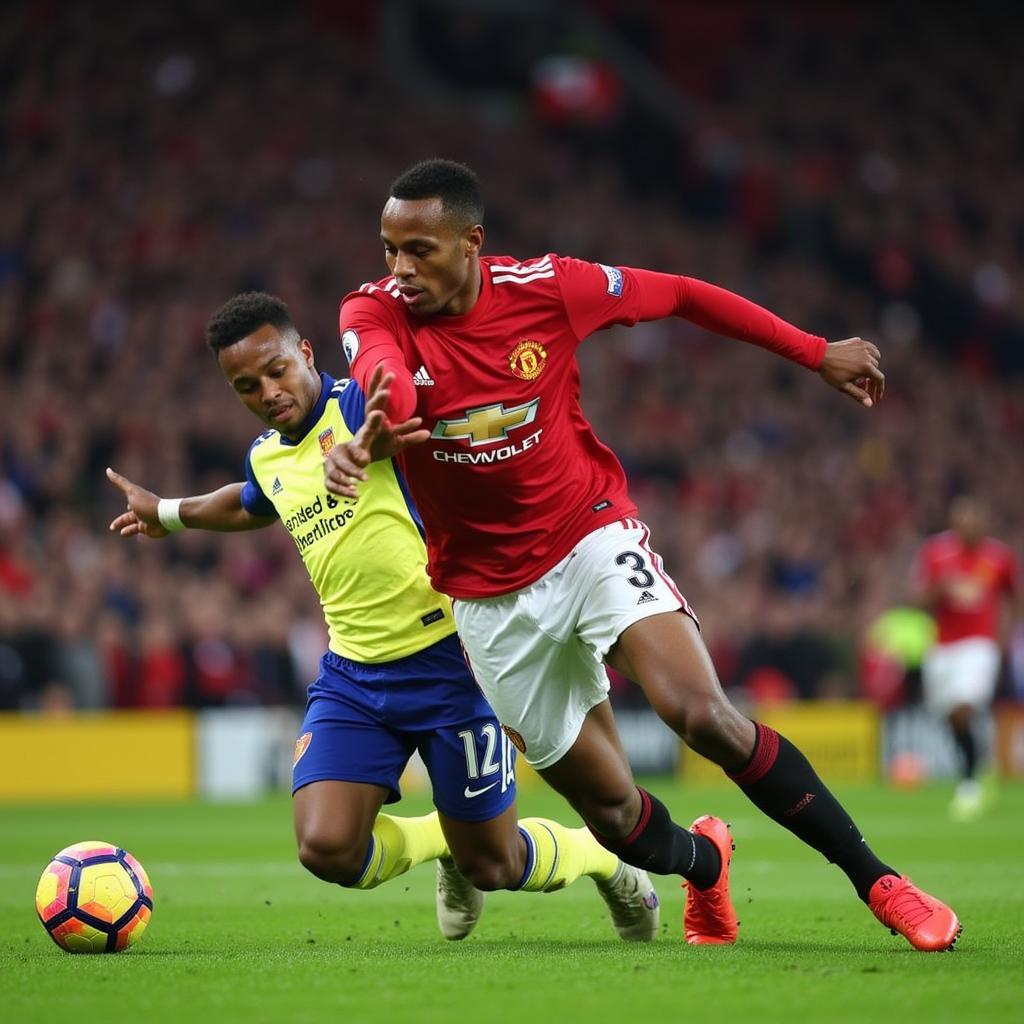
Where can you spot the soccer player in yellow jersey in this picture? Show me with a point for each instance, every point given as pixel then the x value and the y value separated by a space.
pixel 394 679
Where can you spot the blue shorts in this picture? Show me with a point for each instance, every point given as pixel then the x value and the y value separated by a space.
pixel 363 723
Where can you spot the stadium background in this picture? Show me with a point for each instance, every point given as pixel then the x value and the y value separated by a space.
pixel 855 170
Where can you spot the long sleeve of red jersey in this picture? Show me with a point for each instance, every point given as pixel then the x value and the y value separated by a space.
pixel 597 296
pixel 724 312
pixel 368 339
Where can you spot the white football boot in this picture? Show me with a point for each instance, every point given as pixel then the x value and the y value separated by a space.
pixel 632 902
pixel 459 902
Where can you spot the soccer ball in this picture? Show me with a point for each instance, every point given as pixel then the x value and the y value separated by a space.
pixel 94 898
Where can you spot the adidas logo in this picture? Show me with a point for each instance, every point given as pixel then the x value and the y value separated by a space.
pixel 422 379
pixel 646 597
pixel 800 805
pixel 277 488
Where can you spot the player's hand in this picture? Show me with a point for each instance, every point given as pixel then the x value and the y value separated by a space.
pixel 382 438
pixel 851 366
pixel 141 519
pixel 376 439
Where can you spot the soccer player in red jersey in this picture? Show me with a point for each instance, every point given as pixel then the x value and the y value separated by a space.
pixel 531 530
pixel 963 578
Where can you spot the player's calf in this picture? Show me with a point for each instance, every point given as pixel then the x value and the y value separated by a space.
pixel 708 724
pixel 658 844
pixel 610 814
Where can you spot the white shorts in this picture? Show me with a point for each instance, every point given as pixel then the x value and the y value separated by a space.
pixel 963 672
pixel 538 653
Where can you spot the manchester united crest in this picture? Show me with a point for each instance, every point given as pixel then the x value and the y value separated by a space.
pixel 527 360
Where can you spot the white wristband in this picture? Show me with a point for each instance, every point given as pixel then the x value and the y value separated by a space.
pixel 168 511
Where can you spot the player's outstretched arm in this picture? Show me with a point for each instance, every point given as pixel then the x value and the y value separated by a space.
pixel 219 510
pixel 852 367
pixel 376 439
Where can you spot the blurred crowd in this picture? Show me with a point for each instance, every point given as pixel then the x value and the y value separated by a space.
pixel 852 175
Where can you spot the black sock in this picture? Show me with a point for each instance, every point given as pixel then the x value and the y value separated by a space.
pixel 963 736
pixel 658 844
pixel 780 781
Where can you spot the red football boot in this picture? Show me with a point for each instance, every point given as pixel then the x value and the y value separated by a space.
pixel 709 918
pixel 925 922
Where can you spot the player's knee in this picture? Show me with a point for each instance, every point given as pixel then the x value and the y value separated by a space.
pixel 334 859
pixel 613 814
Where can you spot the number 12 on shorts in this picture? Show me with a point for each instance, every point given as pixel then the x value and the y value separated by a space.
pixel 498 757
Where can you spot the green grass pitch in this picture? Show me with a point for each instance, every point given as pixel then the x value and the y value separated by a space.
pixel 241 933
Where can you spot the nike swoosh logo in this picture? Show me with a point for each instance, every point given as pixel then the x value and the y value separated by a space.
pixel 470 793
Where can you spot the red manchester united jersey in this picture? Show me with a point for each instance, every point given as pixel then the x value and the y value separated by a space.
pixel 973 581
pixel 512 475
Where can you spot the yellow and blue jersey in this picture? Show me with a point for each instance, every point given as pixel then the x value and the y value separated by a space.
pixel 367 556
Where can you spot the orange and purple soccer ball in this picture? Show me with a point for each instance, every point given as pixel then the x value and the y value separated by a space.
pixel 94 898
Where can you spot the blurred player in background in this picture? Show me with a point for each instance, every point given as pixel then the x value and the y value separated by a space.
pixel 394 679
pixel 963 577
pixel 531 530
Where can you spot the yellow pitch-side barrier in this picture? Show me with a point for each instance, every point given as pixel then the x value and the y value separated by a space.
pixel 116 755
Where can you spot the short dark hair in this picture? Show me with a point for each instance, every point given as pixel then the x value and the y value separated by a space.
pixel 242 315
pixel 455 184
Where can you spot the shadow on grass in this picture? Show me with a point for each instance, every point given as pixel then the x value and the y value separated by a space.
pixel 888 952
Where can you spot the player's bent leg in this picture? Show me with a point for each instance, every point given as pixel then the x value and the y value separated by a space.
pixel 344 839
pixel 596 779
pixel 348 763
pixel 666 656
pixel 333 825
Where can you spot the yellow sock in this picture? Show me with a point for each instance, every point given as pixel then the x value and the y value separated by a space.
pixel 398 844
pixel 560 855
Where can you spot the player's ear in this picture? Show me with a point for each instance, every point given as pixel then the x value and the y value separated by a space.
pixel 474 240
pixel 307 351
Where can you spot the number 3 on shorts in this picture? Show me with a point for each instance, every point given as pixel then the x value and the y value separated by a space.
pixel 641 578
